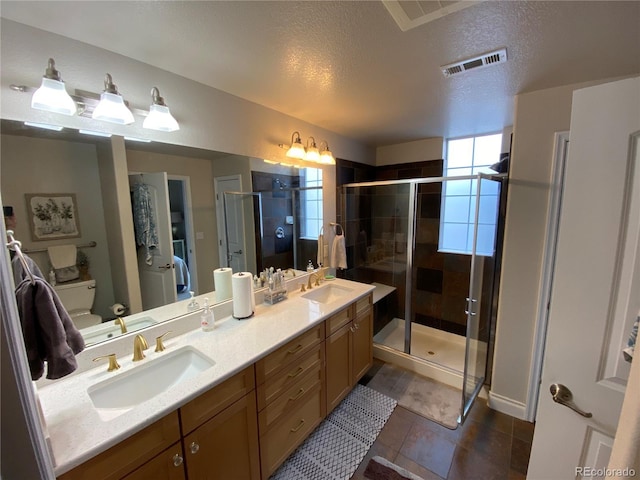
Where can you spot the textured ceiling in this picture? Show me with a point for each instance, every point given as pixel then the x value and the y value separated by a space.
pixel 347 67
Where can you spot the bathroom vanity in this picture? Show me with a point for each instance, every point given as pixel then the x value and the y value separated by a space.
pixel 255 390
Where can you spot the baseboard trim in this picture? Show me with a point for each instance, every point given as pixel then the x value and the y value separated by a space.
pixel 507 405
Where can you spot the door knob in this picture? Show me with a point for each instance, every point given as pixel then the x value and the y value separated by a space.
pixel 239 252
pixel 168 266
pixel 563 396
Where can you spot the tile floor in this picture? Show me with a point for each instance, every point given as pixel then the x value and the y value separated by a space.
pixel 490 445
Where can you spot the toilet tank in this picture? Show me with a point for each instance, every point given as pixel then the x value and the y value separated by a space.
pixel 77 295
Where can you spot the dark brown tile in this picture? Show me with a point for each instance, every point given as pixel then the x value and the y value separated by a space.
pixel 481 438
pixel 416 469
pixel 520 452
pixel 523 430
pixel 469 465
pixel 513 475
pixel 396 429
pixel 429 280
pixel 481 413
pixel 428 449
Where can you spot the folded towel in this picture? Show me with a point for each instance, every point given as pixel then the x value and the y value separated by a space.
pixel 320 258
pixel 63 256
pixel 338 253
pixel 48 331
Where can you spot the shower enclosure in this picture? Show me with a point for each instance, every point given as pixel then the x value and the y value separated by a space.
pixel 434 241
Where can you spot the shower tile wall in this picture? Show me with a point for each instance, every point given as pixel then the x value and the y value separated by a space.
pixel 276 206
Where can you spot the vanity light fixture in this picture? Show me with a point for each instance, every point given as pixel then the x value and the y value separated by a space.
pixel 326 157
pixel 159 117
pixel 94 133
pixel 111 107
pixel 313 154
pixel 52 95
pixel 296 150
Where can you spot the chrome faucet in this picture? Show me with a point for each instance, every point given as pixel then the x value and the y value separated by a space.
pixel 120 322
pixel 317 282
pixel 139 346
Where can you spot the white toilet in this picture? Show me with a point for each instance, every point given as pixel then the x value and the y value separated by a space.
pixel 77 298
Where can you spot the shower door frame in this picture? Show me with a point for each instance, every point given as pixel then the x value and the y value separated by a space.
pixel 411 241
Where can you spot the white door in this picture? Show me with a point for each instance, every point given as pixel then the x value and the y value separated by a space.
pixel 595 287
pixel 230 211
pixel 155 267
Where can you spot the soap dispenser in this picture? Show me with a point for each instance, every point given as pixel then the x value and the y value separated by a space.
pixel 207 319
pixel 310 267
pixel 193 305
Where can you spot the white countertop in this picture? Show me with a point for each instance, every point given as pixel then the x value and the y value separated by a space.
pixel 78 432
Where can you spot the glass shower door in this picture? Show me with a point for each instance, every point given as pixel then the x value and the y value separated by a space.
pixel 485 205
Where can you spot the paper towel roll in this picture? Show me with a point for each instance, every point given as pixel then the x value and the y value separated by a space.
pixel 118 308
pixel 243 299
pixel 222 281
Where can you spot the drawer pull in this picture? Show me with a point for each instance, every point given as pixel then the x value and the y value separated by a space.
pixel 352 329
pixel 194 447
pixel 298 427
pixel 297 395
pixel 296 373
pixel 295 350
pixel 177 460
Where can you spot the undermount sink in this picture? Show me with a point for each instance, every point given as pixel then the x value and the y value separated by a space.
pixel 327 293
pixel 116 395
pixel 106 331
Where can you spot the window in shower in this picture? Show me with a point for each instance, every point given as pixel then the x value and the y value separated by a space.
pixel 311 203
pixel 469 156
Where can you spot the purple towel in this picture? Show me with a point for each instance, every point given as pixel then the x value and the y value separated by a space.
pixel 48 331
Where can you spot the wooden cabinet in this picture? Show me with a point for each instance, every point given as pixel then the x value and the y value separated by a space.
pixel 291 400
pixel 220 431
pixel 349 350
pixel 166 466
pixel 150 444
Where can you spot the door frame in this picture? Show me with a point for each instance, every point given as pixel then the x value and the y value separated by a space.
pixel 560 149
pixel 189 227
pixel 222 234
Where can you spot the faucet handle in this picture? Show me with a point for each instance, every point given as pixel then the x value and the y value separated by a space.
pixel 159 345
pixel 113 361
pixel 302 288
pixel 139 346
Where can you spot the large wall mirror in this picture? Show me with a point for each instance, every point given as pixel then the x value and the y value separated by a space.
pixel 42 162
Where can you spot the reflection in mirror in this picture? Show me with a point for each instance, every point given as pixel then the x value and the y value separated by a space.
pixel 36 161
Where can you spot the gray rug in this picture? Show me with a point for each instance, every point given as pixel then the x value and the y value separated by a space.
pixel 336 448
pixel 428 398
pixel 380 468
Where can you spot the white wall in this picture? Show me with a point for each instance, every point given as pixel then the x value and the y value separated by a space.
pixel 209 119
pixel 538 116
pixel 36 165
pixel 416 151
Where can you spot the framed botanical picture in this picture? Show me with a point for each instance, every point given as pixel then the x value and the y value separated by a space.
pixel 52 216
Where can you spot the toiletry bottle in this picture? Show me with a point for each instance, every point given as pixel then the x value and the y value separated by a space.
pixel 207 319
pixel 310 267
pixel 193 305
pixel 52 278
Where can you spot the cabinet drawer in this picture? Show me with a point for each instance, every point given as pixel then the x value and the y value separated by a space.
pixel 169 465
pixel 338 320
pixel 210 403
pixel 289 432
pixel 292 397
pixel 288 353
pixel 364 304
pixel 131 453
pixel 274 386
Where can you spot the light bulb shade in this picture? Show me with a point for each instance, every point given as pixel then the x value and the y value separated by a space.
pixel 326 158
pixel 160 118
pixel 53 97
pixel 313 154
pixel 296 150
pixel 112 109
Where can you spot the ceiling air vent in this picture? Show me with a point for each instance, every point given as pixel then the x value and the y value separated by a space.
pixel 485 60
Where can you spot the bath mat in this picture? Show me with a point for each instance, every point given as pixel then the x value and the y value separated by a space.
pixel 336 448
pixel 380 468
pixel 428 398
